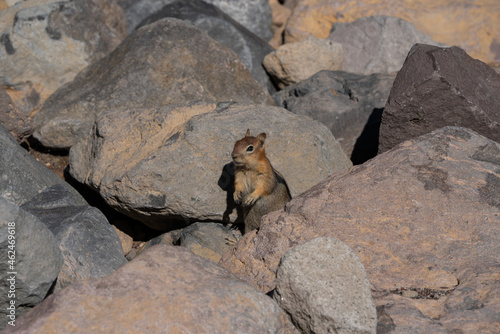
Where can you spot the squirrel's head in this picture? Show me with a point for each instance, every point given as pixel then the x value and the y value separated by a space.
pixel 249 150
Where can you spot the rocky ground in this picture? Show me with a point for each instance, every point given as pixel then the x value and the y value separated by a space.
pixel 117 119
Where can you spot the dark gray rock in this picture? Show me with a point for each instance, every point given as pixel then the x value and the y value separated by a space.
pixel 322 284
pixel 36 257
pixel 21 176
pixel 45 43
pixel 90 246
pixel 376 44
pixel 221 27
pixel 255 15
pixel 209 240
pixel 439 87
pixel 350 105
pixel 165 62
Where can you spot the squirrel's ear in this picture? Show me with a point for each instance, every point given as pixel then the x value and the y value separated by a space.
pixel 248 133
pixel 262 138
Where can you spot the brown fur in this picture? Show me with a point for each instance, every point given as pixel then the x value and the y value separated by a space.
pixel 257 186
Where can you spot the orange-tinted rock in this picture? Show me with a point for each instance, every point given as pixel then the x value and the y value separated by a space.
pixel 424 216
pixel 166 289
pixel 14 120
pixel 474 26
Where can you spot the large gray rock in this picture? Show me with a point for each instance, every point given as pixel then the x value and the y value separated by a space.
pixel 166 62
pixel 174 161
pixel 254 15
pixel 376 44
pixel 89 244
pixel 45 43
pixel 224 29
pixel 21 176
pixel 36 261
pixel 440 87
pixel 423 218
pixel 322 284
pixel 166 289
pixel 349 104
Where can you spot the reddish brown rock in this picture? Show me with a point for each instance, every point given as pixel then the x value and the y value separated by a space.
pixel 13 119
pixel 437 87
pixel 166 289
pixel 424 217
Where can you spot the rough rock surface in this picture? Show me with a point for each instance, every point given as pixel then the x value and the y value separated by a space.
pixel 166 62
pixel 350 105
pixel 45 43
pixel 438 87
pixel 419 217
pixel 224 29
pixel 209 240
pixel 14 120
pixel 376 44
pixel 295 62
pixel 323 286
pixel 21 176
pixel 89 244
pixel 280 15
pixel 37 260
pixel 166 289
pixel 474 27
pixel 175 160
pixel 254 15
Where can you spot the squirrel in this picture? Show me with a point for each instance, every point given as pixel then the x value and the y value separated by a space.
pixel 258 187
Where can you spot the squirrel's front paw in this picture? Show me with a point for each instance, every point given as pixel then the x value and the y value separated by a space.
pixel 237 197
pixel 250 200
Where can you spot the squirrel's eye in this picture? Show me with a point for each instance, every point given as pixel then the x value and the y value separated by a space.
pixel 250 148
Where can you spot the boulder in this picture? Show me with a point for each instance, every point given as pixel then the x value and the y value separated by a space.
pixel 14 120
pixel 45 43
pixel 349 104
pixel 165 289
pixel 295 62
pixel 31 261
pixel 474 27
pixel 175 162
pixel 424 219
pixel 280 15
pixel 438 87
pixel 376 44
pixel 254 15
pixel 21 176
pixel 323 286
pixel 209 240
pixel 166 62
pixel 89 244
pixel 224 29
